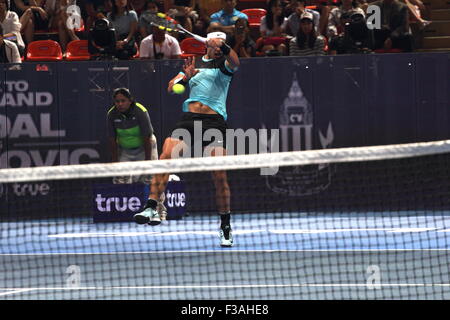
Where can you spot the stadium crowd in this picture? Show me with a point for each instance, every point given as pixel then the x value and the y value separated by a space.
pixel 124 29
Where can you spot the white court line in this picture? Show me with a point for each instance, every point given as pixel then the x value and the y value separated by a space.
pixel 225 250
pixel 236 232
pixel 148 233
pixel 14 291
pixel 230 286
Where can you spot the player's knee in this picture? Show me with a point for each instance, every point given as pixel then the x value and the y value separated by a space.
pixel 165 156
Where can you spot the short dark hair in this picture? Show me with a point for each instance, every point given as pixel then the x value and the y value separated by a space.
pixel 156 3
pixel 125 92
pixel 8 4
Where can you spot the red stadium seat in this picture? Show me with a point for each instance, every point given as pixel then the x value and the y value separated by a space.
pixel 77 50
pixel 192 47
pixel 254 16
pixel 44 50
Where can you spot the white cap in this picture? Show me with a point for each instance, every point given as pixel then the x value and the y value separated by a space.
pixel 218 34
pixel 307 15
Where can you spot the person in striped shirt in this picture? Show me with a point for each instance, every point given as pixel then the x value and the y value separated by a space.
pixel 307 42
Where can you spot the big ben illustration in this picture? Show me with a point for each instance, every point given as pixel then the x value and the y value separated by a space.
pixel 296 134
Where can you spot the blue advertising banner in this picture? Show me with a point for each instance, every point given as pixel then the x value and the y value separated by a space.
pixel 432 89
pixel 84 96
pixel 120 202
pixel 391 99
pixel 339 101
pixel 33 129
pixel 175 199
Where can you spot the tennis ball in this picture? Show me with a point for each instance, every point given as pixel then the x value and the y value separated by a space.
pixel 178 88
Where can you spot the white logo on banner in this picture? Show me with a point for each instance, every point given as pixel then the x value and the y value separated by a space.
pixel 296 133
pixel 32 131
pixel 118 204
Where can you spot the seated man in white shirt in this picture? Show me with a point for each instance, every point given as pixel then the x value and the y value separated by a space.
pixel 159 45
pixel 9 53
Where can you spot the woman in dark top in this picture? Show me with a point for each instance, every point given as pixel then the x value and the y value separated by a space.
pixel 240 40
pixel 182 11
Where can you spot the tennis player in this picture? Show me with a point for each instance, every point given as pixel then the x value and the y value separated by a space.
pixel 132 137
pixel 208 78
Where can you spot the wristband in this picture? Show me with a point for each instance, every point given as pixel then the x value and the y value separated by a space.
pixel 183 80
pixel 225 49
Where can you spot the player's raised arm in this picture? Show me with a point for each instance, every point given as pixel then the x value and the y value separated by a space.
pixel 229 54
pixel 183 77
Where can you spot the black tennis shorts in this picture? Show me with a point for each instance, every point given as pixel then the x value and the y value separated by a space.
pixel 189 121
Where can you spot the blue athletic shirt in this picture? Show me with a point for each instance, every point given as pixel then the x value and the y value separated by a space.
pixel 210 85
pixel 226 19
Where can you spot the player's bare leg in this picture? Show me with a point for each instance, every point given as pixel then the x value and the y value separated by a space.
pixel 150 213
pixel 223 202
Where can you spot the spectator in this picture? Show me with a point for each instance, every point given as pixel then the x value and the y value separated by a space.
pixel 240 41
pixel 66 33
pixel 8 50
pixel 306 42
pixel 96 9
pixel 139 6
pixel 9 20
pixel 289 7
pixel 324 10
pixel 273 28
pixel 124 20
pixel 201 24
pixel 38 15
pixel 356 38
pixel 394 32
pixel 160 45
pixel 294 19
pixel 334 18
pixel 415 7
pixel 147 17
pixel 183 11
pixel 225 19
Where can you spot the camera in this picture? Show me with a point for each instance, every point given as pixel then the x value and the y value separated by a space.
pixel 101 24
pixel 358 37
pixel 102 40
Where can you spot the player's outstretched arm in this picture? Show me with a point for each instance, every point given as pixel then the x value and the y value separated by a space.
pixel 183 77
pixel 232 59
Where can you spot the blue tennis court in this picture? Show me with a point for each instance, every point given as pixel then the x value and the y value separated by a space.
pixel 378 255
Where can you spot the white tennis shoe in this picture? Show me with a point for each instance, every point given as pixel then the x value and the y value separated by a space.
pixel 149 216
pixel 226 237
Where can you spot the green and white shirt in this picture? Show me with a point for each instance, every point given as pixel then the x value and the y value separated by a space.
pixel 131 127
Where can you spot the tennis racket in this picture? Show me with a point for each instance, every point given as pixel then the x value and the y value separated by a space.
pixel 177 27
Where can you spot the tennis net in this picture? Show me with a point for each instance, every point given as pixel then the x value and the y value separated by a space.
pixel 349 223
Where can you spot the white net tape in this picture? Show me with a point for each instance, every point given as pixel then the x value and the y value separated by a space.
pixel 235 162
